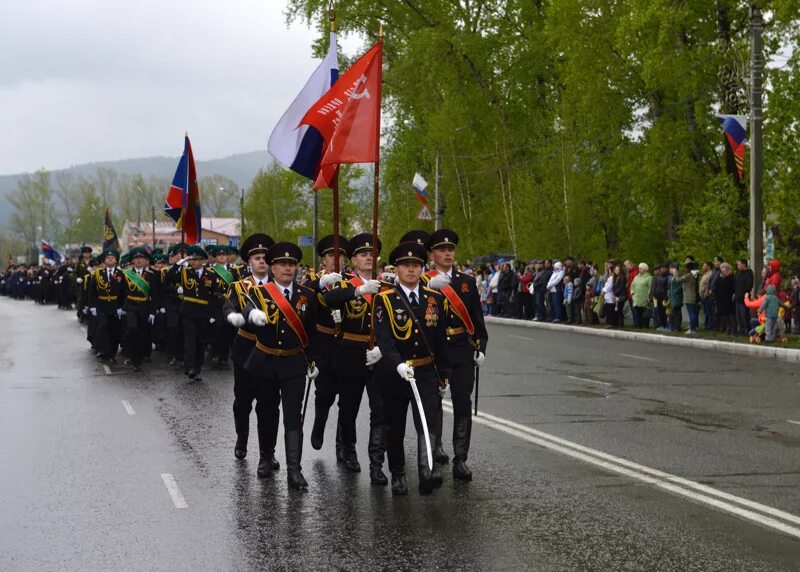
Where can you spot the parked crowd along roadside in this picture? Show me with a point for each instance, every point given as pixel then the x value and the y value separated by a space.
pixel 687 296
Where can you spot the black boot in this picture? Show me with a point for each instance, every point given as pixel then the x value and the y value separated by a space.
pixel 340 453
pixel 399 486
pixel 242 425
pixel 427 482
pixel 376 448
pixel 462 433
pixel 240 449
pixel 351 463
pixel 264 465
pixel 294 452
pixel 439 456
pixel 318 431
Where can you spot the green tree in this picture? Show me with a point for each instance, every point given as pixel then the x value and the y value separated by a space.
pixel 34 215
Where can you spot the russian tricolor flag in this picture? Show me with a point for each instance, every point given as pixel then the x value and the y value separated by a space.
pixel 299 147
pixel 735 127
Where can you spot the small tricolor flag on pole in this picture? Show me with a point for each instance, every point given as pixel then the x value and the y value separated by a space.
pixel 420 185
pixel 735 127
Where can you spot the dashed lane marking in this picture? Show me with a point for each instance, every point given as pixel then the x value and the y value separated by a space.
pixel 586 379
pixel 638 357
pixel 128 407
pixel 106 369
pixel 795 422
pixel 174 491
pixel 521 338
pixel 745 509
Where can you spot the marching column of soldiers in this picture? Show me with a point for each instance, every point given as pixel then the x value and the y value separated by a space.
pixel 405 337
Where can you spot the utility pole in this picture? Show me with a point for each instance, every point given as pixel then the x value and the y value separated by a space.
pixel 756 147
pixel 437 216
pixel 316 229
pixel 153 212
pixel 241 218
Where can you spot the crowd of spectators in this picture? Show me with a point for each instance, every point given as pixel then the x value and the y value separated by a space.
pixel 670 297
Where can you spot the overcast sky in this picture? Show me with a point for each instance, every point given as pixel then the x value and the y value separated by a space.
pixel 90 80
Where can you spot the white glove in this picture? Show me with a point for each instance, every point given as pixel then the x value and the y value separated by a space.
pixel 405 371
pixel 93 311
pixel 179 290
pixel 236 319
pixel 162 310
pixel 369 287
pixel 183 262
pixel 151 319
pixel 84 311
pixel 79 280
pixel 337 316
pixel 313 372
pixel 211 320
pixel 479 358
pixel 389 277
pixel 374 355
pixel 439 281
pixel 120 312
pixel 330 279
pixel 258 318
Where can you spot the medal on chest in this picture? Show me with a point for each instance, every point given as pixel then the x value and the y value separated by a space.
pixel 431 313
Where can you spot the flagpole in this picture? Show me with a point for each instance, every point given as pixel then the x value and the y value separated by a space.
pixel 185 191
pixel 335 182
pixel 375 185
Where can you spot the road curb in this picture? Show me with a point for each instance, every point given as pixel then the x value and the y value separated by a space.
pixel 774 352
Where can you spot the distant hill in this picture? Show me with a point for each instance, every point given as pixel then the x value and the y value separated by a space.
pixel 241 168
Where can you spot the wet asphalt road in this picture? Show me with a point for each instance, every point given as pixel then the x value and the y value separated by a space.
pixel 81 478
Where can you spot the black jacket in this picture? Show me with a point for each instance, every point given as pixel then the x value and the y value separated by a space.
pixel 744 284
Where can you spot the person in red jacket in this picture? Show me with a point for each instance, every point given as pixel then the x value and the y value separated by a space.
pixel 773 275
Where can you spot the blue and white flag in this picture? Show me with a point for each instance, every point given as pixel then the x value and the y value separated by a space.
pixel 51 255
pixel 299 147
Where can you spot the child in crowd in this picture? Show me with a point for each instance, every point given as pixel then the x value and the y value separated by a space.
pixel 568 291
pixel 771 307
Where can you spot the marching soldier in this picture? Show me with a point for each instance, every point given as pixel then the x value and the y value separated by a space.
pixel 171 302
pixel 410 331
pixel 353 300
pixel 196 287
pixel 139 307
pixel 283 313
pixel 221 331
pixel 105 289
pixel 159 329
pixel 466 341
pixel 254 251
pixel 324 338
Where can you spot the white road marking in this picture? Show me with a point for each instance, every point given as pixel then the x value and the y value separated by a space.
pixel 128 407
pixel 521 338
pixel 677 485
pixel 638 357
pixel 174 491
pixel 107 369
pixel 795 422
pixel 588 380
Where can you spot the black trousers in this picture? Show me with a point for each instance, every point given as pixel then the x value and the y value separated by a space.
pixel 137 334
pixel 223 334
pixel 245 390
pixel 174 333
pixel 326 386
pixel 376 448
pixel 195 336
pixel 351 392
pixel 107 334
pixel 271 389
pixel 397 397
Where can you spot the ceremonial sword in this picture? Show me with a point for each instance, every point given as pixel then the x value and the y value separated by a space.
pixel 422 419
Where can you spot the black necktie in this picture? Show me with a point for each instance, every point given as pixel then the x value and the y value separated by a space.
pixel 413 296
pixel 286 293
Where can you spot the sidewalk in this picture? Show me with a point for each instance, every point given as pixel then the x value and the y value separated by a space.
pixel 743 349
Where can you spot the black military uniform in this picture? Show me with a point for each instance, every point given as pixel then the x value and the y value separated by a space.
pixel 324 337
pixel 245 385
pixel 159 328
pixel 105 293
pixel 350 369
pixel 140 309
pixel 466 336
pixel 221 331
pixel 279 359
pixel 418 341
pixel 196 288
pixel 171 302
pixel 82 268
